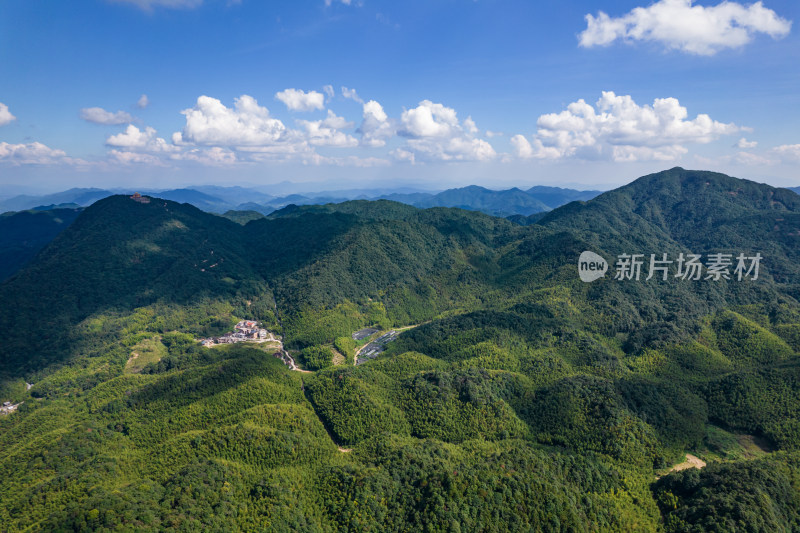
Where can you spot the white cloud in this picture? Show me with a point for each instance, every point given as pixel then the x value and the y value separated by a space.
pixel 491 134
pixel 329 91
pixel 345 2
pixel 620 130
pixel 127 158
pixel 522 147
pixel 679 25
pixel 745 144
pixel 434 133
pixel 297 100
pixel 214 156
pixel 351 94
pixel 452 149
pixel 143 101
pixel 5 115
pixel 34 153
pixel 788 152
pixel 140 140
pixel 526 150
pixel 376 128
pixel 747 158
pixel 98 115
pixel 148 5
pixel 211 123
pixel 326 132
pixel 428 120
pixel 470 126
pixel 402 154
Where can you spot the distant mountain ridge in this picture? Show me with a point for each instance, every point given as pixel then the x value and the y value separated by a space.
pixel 78 196
pixel 218 199
pixel 476 198
pixel 242 204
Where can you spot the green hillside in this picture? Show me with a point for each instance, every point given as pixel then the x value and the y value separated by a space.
pixel 515 398
pixel 23 234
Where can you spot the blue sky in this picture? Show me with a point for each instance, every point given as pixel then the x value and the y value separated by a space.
pixel 428 93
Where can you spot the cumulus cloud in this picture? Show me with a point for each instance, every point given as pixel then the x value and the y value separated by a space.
pixel 142 102
pixel 621 130
pixel 745 144
pixel 351 94
pixel 34 153
pixel 211 123
pixel 522 147
pixel 98 115
pixel 452 149
pixel 328 91
pixel 428 120
pixel 680 25
pixel 470 126
pixel 435 133
pixel 376 127
pixel 526 150
pixel 140 140
pixel 345 2
pixel 5 115
pixel 298 100
pixel 326 132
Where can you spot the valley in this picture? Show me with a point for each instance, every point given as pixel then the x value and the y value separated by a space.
pixel 357 266
pixel 396 368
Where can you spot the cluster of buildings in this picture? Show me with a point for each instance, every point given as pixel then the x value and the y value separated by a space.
pixel 136 197
pixel 245 330
pixel 374 348
pixel 7 408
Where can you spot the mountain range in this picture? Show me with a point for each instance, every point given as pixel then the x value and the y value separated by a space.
pixel 218 199
pixel 241 204
pixel 515 397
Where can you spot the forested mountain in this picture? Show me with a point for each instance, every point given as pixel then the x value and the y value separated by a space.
pixel 23 234
pixel 242 204
pixel 518 398
pixel 558 196
pixel 477 198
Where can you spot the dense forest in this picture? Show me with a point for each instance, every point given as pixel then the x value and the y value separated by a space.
pixel 23 234
pixel 515 398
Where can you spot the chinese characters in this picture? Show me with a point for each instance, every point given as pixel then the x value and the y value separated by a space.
pixel 717 266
